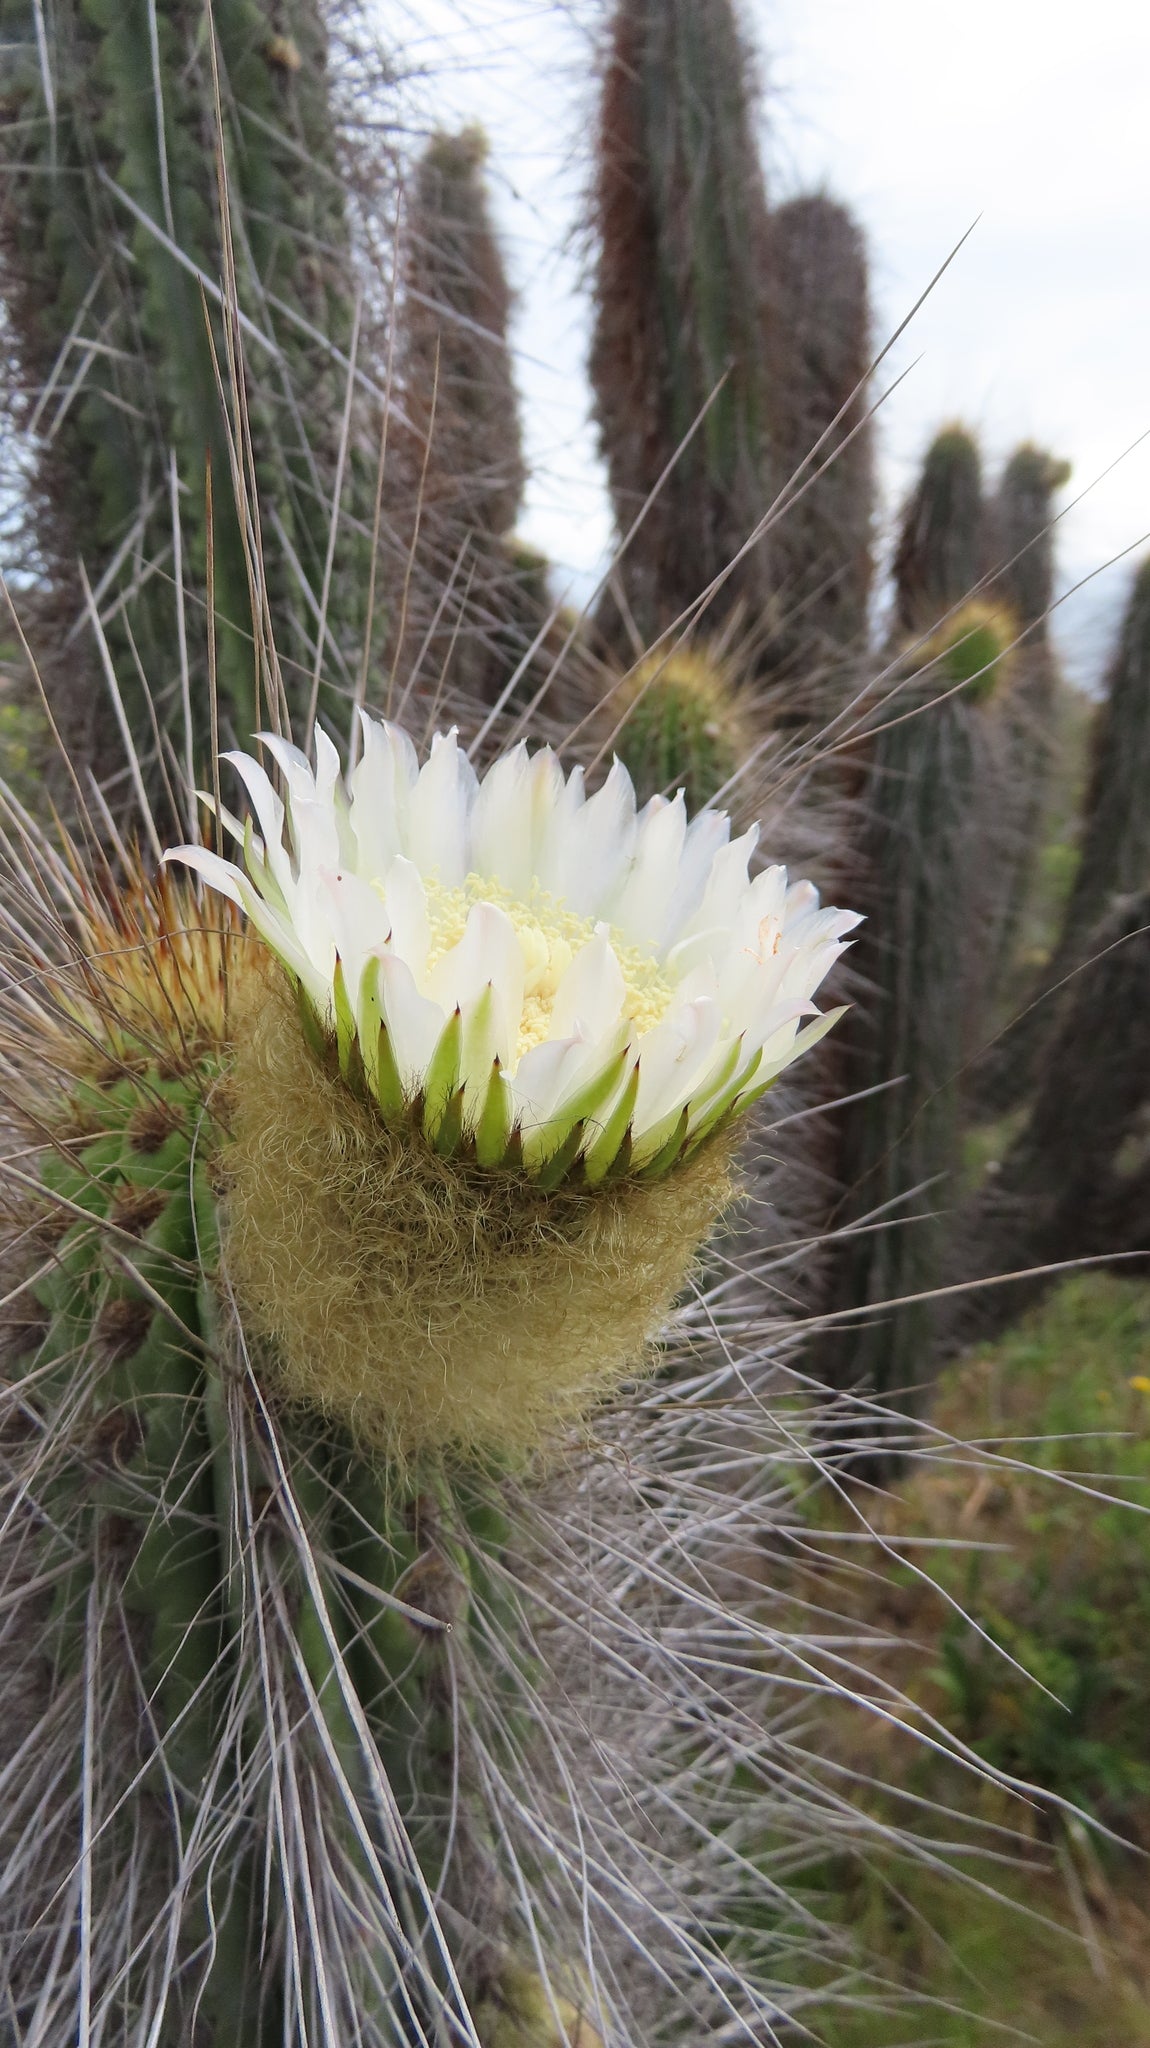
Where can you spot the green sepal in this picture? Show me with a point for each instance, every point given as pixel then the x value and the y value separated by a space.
pixel 312 1028
pixel 493 1126
pixel 388 1084
pixel 449 1130
pixel 442 1075
pixel 662 1160
pixel 601 1155
pixel 261 874
pixel 722 1106
pixel 560 1163
pixel 345 1032
pixel 542 1141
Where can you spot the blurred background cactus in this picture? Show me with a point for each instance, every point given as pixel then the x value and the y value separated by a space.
pixel 919 880
pixel 468 600
pixel 939 557
pixel 678 724
pixel 820 438
pixel 678 351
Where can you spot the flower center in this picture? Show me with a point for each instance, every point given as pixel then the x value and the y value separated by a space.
pixel 549 937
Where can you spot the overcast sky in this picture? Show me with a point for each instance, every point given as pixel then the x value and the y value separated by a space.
pixel 1032 120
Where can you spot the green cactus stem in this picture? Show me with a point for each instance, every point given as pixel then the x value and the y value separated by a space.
pixel 211 1563
pixel 459 467
pixel 110 205
pixel 939 557
pixel 680 221
pixel 919 884
pixel 820 323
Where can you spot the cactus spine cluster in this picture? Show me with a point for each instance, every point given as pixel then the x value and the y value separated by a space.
pixel 111 217
pixel 678 725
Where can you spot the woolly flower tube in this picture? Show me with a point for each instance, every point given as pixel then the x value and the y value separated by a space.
pixel 543 979
pixel 531 1016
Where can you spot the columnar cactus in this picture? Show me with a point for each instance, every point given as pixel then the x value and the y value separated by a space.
pixel 678 348
pixel 820 322
pixel 902 1055
pixel 1019 550
pixel 939 557
pixel 111 217
pixel 1115 835
pixel 468 612
pixel 326 1223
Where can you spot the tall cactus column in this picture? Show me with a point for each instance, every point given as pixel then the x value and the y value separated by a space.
pixel 819 334
pixel 903 1050
pixel 680 218
pixel 110 206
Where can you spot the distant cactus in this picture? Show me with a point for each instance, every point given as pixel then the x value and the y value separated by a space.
pixel 681 225
pixel 1116 817
pixel 680 726
pixel 461 468
pixel 1074 1183
pixel 1021 544
pixel 1115 840
pixel 820 320
pixel 939 557
pixel 920 887
pixel 109 196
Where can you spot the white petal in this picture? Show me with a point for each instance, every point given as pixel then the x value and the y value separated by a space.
pixel 501 823
pixel 406 900
pixel 673 1058
pixel 380 785
pixel 706 836
pixel 641 908
pixel 725 889
pixel 270 813
pixel 601 845
pixel 590 995
pixel 558 809
pixel 438 833
pixel 413 1022
pixel 489 951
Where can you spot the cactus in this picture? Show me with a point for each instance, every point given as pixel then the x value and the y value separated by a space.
pixel 1021 544
pixel 201 1554
pixel 677 725
pixel 1115 840
pixel 110 191
pixel 680 220
pixel 820 319
pixel 939 557
pixel 1074 1179
pixel 920 888
pixel 301 1556
pixel 460 460
pixel 1114 843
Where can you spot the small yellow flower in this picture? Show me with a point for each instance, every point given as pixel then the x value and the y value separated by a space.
pixel 1141 1383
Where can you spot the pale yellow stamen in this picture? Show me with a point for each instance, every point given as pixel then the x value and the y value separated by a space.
pixel 549 937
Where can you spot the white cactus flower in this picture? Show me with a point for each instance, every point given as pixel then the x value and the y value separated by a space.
pixel 536 977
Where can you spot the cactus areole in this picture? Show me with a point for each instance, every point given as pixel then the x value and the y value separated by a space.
pixel 475 1125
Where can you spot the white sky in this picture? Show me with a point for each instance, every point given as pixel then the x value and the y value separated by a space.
pixel 1033 115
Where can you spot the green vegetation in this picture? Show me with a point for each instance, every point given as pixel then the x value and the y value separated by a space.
pixel 1048 1553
